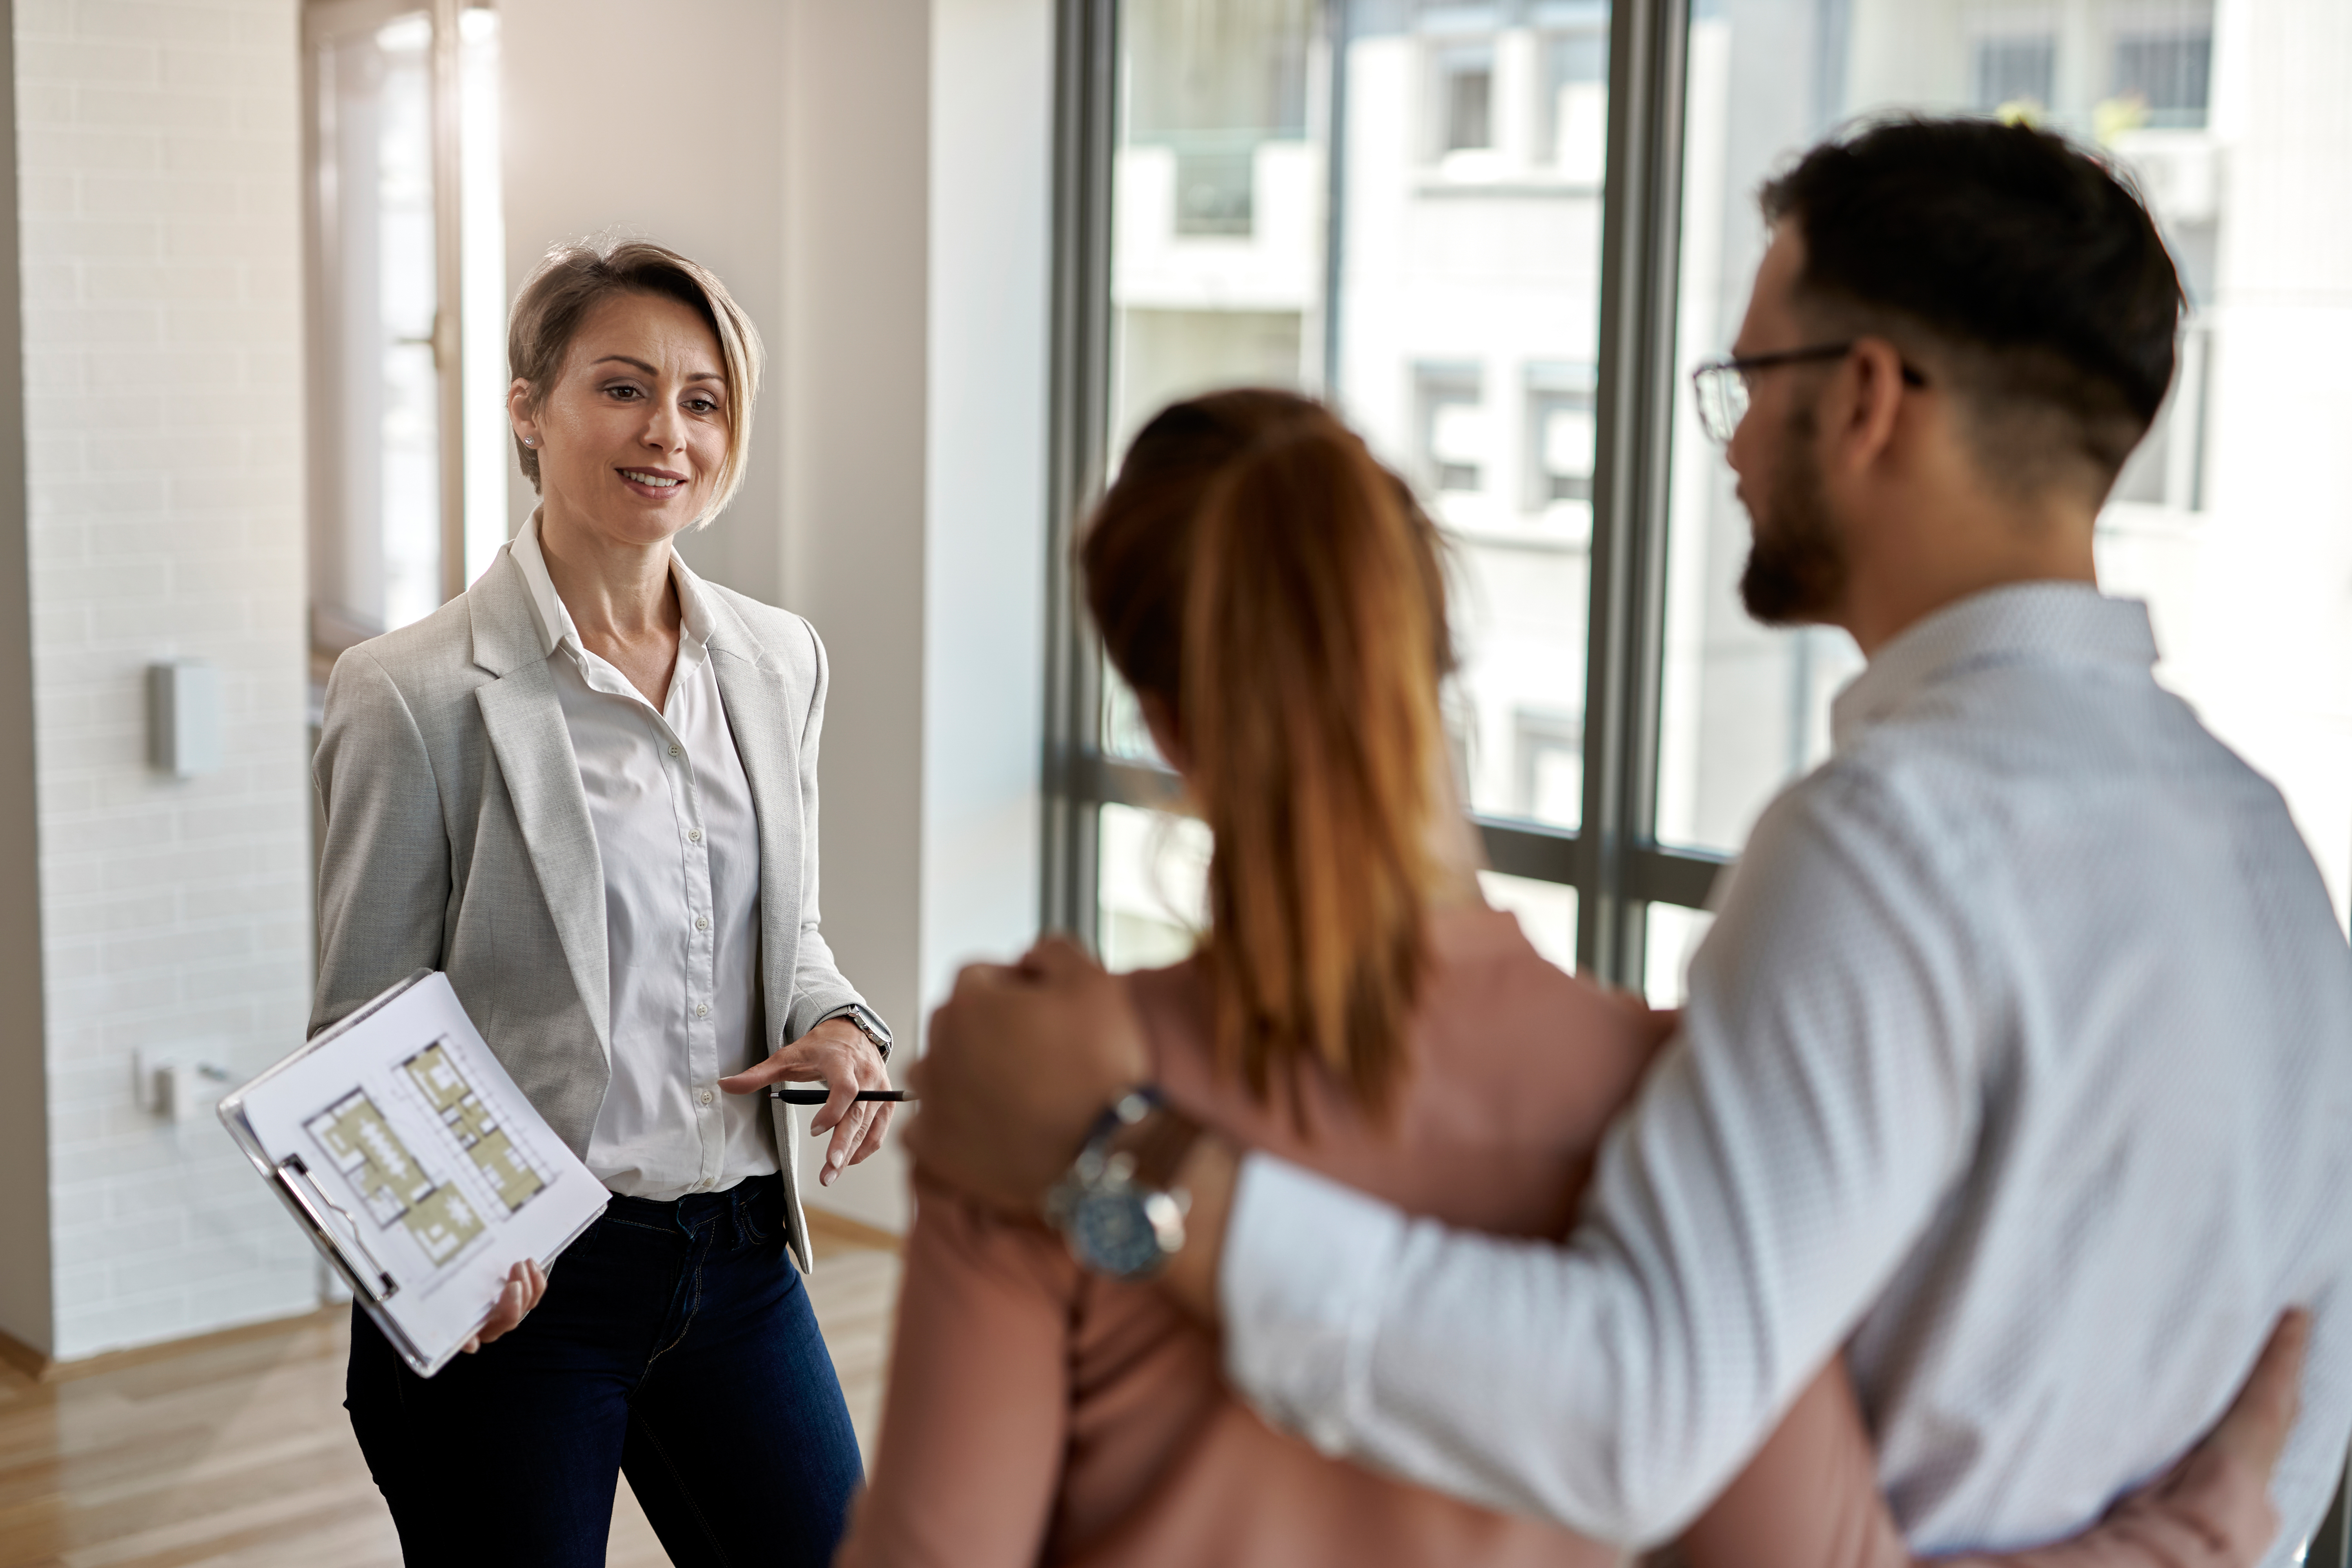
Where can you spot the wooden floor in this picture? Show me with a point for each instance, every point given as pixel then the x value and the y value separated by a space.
pixel 239 1453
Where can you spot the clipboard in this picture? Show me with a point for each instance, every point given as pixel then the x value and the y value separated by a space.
pixel 416 1166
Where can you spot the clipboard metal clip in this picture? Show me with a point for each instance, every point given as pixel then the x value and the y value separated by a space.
pixel 304 1193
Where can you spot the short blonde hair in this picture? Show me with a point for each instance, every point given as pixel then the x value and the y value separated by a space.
pixel 576 276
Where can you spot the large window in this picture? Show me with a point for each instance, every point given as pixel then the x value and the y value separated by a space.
pixel 407 277
pixel 1496 235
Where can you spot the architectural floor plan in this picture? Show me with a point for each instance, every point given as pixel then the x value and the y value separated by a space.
pixel 415 1164
pixel 395 1188
pixel 399 1185
pixel 471 1126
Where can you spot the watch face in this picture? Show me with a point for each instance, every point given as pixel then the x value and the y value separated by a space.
pixel 1112 1233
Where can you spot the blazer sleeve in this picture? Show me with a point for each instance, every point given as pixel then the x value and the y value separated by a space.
pixel 818 985
pixel 383 869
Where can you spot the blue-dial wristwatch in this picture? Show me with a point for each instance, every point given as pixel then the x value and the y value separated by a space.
pixel 1116 1208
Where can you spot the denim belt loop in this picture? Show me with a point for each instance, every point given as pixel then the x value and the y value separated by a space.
pixel 735 1200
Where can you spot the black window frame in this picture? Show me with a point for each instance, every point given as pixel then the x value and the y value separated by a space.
pixel 1613 860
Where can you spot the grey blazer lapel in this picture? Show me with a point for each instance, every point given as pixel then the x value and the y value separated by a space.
pixel 767 738
pixel 533 746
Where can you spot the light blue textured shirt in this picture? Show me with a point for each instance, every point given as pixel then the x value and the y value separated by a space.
pixel 2018 1064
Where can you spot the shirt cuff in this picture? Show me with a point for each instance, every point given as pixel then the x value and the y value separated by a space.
pixel 1305 1272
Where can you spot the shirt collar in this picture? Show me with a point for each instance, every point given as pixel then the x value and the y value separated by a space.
pixel 555 624
pixel 2019 620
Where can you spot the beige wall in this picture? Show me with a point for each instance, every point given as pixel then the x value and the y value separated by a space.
pixel 856 243
pixel 875 186
pixel 587 150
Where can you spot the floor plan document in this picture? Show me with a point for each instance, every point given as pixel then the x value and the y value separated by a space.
pixel 414 1164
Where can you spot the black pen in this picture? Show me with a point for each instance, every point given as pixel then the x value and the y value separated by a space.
pixel 819 1096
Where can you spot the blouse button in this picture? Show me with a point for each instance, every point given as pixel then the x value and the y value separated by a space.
pixel 706 1097
pixel 694 836
pixel 702 1009
pixel 702 923
pixel 672 751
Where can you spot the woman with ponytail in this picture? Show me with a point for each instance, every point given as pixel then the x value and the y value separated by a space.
pixel 1274 598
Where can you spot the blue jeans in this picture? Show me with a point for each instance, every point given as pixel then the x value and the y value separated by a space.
pixel 675 1344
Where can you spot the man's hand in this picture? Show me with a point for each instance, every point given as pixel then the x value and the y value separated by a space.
pixel 838 1055
pixel 2214 1508
pixel 1020 1060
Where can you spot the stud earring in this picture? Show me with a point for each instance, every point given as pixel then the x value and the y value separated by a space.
pixel 531 440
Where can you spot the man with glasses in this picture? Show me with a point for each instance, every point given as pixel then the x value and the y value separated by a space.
pixel 2017 1067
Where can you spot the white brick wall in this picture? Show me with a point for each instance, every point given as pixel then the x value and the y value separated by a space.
pixel 160 150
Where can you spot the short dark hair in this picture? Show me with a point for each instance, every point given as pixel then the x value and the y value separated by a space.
pixel 2024 257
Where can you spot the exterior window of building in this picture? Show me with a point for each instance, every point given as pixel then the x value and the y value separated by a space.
pixel 2014 73
pixel 1561 434
pixel 2164 62
pixel 1575 103
pixel 1453 446
pixel 407 279
pixel 1465 100
pixel 1438 274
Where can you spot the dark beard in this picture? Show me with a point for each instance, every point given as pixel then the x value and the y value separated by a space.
pixel 1796 566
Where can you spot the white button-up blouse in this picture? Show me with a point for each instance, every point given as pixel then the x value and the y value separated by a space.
pixel 680 845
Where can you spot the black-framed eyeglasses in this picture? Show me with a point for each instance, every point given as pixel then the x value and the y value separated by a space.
pixel 1722 384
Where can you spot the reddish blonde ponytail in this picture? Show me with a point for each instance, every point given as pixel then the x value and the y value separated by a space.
pixel 1260 574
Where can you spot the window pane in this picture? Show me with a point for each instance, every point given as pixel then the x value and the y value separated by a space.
pixel 1217 225
pixel 1152 901
pixel 1466 334
pixel 376 542
pixel 1673 934
pixel 2234 517
pixel 1217 251
pixel 1463 336
pixel 1547 912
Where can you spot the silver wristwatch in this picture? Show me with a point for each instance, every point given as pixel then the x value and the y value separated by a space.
pixel 1116 1207
pixel 867 1022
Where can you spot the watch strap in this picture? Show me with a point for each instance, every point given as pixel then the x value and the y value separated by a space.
pixel 1127 1169
pixel 866 1022
pixel 1158 1144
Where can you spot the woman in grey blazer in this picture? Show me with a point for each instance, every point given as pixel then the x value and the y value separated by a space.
pixel 587 789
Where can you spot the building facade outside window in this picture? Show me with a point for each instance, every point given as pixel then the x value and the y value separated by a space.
pixel 1434 257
